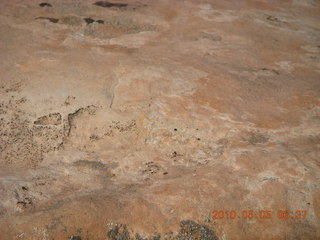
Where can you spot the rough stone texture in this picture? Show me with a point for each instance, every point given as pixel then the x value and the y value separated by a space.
pixel 141 122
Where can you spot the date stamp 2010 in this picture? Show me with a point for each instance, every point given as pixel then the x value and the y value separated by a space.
pixel 262 214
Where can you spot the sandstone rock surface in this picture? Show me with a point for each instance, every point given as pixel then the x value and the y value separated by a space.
pixel 139 119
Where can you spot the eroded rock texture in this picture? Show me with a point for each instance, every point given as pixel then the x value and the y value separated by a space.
pixel 138 119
